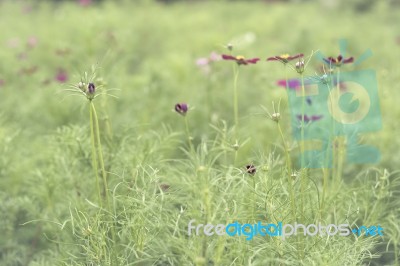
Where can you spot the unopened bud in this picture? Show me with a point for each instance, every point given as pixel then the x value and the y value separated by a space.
pixel 300 67
pixel 91 88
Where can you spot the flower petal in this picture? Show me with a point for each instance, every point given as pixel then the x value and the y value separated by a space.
pixel 295 56
pixel 253 60
pixel 228 57
pixel 275 58
pixel 348 60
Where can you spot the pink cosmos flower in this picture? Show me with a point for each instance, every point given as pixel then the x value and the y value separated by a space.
pixel 84 2
pixel 61 76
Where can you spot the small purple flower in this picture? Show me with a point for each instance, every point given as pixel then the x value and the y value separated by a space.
pixel 251 169
pixel 91 88
pixel 61 76
pixel 293 84
pixel 181 108
pixel 309 118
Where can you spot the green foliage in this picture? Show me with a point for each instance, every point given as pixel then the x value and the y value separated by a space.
pixel 52 210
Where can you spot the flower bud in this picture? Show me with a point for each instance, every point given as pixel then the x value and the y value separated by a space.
pixel 276 117
pixel 300 67
pixel 181 108
pixel 91 88
pixel 251 169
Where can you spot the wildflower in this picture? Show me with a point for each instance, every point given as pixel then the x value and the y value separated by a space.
pixel 205 62
pixel 251 169
pixel 284 58
pixel 275 116
pixel 61 76
pixel 293 84
pixel 84 2
pixel 91 88
pixel 32 42
pixel 309 118
pixel 2 82
pixel 338 61
pixel 240 60
pixel 300 66
pixel 181 108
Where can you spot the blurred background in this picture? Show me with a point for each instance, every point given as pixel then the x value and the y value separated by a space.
pixel 158 53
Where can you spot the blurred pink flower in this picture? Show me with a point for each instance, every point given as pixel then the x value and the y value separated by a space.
pixel 61 76
pixel 32 42
pixel 84 2
pixel 204 62
pixel 13 43
pixel 2 82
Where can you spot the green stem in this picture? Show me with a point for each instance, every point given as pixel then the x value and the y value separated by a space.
pixel 340 144
pixel 94 155
pixel 287 154
pixel 289 169
pixel 100 152
pixel 188 135
pixel 303 95
pixel 302 147
pixel 235 98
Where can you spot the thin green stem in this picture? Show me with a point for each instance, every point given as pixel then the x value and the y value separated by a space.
pixel 303 95
pixel 189 138
pixel 302 147
pixel 94 155
pixel 340 155
pixel 287 154
pixel 289 169
pixel 100 152
pixel 235 98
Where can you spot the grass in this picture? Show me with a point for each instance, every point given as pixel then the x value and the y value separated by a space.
pixel 157 170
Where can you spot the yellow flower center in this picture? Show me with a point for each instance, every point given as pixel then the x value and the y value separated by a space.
pixel 239 57
pixel 284 56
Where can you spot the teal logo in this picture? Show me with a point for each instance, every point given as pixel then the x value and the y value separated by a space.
pixel 339 107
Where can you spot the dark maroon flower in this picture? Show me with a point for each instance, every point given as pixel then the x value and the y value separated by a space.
pixel 309 118
pixel 240 60
pixel 181 108
pixel 91 88
pixel 251 169
pixel 61 76
pixel 284 58
pixel 338 61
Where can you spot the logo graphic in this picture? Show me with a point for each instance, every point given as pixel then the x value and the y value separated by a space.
pixel 339 107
